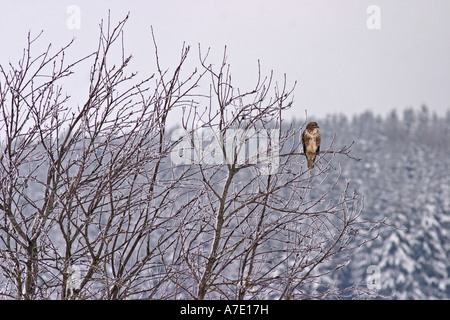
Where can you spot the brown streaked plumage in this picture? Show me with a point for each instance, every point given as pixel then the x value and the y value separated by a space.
pixel 311 143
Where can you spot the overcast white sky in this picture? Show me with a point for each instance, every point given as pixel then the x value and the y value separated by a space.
pixel 340 64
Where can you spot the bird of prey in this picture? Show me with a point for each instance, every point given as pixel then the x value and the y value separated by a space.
pixel 311 143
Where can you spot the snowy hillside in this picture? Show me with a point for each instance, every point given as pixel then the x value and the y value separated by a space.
pixel 104 201
pixel 404 177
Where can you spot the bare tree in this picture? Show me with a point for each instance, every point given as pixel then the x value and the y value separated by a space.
pixel 100 201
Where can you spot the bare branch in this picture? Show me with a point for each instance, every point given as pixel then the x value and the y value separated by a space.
pixel 93 204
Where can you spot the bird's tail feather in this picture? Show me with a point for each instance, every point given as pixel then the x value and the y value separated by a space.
pixel 310 160
pixel 310 164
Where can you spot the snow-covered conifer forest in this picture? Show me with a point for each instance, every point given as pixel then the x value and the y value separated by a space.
pixel 102 199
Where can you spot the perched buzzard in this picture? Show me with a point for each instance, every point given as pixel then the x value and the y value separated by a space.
pixel 311 143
